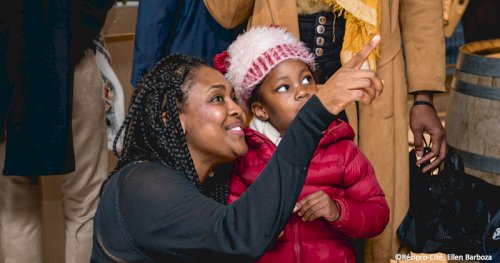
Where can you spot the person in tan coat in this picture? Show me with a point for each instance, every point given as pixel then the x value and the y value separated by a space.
pixel 410 26
pixel 453 10
pixel 479 18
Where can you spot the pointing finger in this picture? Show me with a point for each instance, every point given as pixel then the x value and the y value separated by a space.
pixel 359 58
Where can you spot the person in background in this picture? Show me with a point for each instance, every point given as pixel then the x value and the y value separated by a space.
pixel 52 113
pixel 412 26
pixel 341 198
pixel 479 18
pixel 168 27
pixel 159 206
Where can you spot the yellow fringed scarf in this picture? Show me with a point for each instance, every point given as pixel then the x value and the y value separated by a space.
pixel 362 23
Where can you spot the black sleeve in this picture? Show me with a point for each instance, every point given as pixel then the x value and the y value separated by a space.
pixel 171 218
pixel 155 22
pixel 88 18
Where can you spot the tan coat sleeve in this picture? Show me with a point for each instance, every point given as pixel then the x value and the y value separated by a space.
pixel 423 42
pixel 230 13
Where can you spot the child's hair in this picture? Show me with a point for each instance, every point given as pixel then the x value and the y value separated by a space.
pixel 145 136
pixel 254 54
pixel 256 96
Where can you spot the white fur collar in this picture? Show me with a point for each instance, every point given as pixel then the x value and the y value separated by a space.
pixel 265 128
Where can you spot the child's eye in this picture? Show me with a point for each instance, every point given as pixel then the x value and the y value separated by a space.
pixel 217 98
pixel 307 80
pixel 282 88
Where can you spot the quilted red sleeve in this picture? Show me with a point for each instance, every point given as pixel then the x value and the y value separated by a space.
pixel 236 187
pixel 363 209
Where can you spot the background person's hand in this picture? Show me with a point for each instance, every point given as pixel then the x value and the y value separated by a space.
pixel 317 205
pixel 350 83
pixel 424 119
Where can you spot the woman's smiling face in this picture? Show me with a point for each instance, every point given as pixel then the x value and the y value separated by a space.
pixel 212 119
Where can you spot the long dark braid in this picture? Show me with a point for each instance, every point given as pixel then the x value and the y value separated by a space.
pixel 147 138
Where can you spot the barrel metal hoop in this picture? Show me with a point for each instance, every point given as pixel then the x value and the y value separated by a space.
pixel 480 65
pixel 477 90
pixel 478 162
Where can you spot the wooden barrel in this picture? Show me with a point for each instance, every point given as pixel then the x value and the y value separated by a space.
pixel 473 118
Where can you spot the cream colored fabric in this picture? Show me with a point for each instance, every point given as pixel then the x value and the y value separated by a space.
pixel 20 204
pixel 81 188
pixel 20 218
pixel 267 129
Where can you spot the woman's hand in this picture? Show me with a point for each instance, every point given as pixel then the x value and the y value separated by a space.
pixel 317 205
pixel 350 83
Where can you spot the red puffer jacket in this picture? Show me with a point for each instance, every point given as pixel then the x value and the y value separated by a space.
pixel 340 170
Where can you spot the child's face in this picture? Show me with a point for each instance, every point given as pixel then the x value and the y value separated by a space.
pixel 284 91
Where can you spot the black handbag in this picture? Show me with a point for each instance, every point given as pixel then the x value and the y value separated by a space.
pixel 491 239
pixel 449 211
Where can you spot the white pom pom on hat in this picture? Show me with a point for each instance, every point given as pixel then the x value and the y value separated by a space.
pixel 256 52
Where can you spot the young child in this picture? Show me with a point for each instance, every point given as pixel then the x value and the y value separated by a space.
pixel 272 73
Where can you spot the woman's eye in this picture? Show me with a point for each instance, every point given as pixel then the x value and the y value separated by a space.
pixel 235 99
pixel 217 98
pixel 282 88
pixel 307 80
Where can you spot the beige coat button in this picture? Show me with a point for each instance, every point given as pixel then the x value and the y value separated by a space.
pixel 318 51
pixel 320 29
pixel 322 20
pixel 320 41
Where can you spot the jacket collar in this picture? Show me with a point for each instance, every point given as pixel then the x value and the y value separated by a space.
pixel 263 131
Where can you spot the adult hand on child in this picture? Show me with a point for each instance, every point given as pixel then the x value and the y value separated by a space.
pixel 317 205
pixel 351 83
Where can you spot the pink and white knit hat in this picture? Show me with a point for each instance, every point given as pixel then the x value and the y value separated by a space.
pixel 254 54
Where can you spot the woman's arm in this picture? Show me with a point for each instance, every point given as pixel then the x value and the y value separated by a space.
pixel 172 218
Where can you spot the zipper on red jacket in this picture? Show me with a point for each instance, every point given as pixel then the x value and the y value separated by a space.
pixel 296 243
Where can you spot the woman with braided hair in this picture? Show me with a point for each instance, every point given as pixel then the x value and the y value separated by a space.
pixel 160 203
pixel 150 140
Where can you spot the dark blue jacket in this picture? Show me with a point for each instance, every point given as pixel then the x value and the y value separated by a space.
pixel 40 44
pixel 196 33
